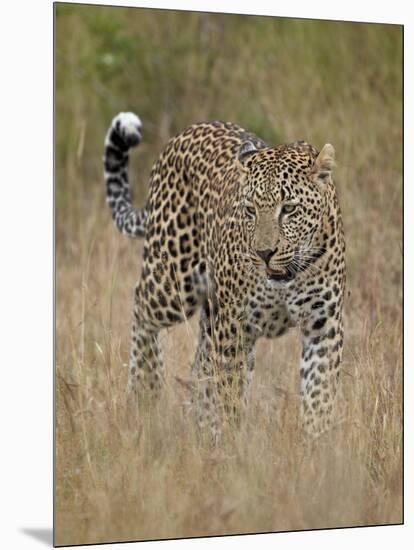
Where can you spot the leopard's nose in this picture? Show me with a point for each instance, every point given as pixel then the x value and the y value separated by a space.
pixel 265 254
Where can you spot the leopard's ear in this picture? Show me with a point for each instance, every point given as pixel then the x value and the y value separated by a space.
pixel 247 148
pixel 323 165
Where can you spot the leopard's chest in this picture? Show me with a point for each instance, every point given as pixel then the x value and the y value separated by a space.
pixel 265 312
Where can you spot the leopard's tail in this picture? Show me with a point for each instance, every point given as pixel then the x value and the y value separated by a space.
pixel 124 133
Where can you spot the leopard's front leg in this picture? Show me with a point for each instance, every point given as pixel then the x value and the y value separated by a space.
pixel 322 340
pixel 222 368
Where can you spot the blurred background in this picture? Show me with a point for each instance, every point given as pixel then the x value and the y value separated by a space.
pixel 283 79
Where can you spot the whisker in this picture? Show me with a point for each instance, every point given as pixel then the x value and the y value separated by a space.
pixel 304 264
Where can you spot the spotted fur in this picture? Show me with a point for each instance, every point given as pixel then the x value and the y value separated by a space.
pixel 249 234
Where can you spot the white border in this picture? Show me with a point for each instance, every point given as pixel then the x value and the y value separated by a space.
pixel 27 263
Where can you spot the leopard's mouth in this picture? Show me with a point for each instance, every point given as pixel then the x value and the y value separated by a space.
pixel 280 276
pixel 297 265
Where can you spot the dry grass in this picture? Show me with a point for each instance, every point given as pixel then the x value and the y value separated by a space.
pixel 158 480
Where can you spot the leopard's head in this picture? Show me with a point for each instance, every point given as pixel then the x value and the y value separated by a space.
pixel 284 200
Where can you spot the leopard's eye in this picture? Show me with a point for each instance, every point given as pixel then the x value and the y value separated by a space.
pixel 250 209
pixel 288 208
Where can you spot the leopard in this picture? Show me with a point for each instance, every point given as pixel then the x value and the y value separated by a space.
pixel 251 237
